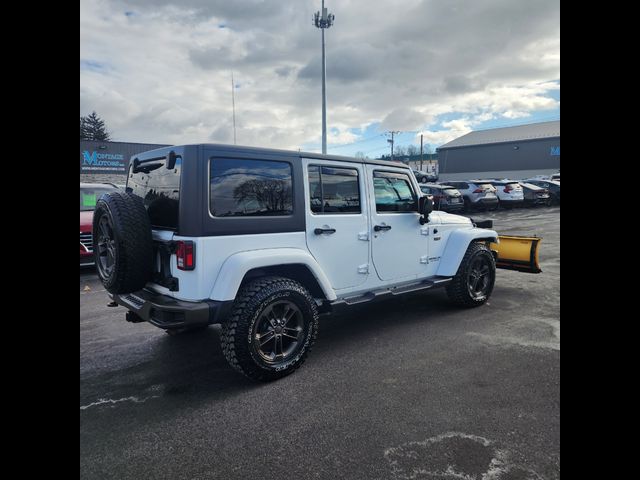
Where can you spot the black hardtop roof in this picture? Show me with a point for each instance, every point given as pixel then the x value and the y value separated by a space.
pixel 239 149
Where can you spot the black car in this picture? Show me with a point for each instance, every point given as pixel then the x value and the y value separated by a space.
pixel 551 185
pixel 445 197
pixel 535 195
pixel 424 177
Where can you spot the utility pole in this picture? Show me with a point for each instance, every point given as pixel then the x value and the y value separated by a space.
pixel 322 21
pixel 233 103
pixel 391 142
pixel 421 157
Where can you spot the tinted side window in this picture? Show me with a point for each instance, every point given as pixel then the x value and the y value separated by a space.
pixel 240 187
pixel 393 192
pixel 333 190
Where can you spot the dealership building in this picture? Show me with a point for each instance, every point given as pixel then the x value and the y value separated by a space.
pixel 511 152
pixel 109 161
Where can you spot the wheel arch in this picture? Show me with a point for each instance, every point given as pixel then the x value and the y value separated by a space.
pixel 292 263
pixel 457 245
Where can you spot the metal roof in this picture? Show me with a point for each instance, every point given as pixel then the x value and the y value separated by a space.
pixel 531 131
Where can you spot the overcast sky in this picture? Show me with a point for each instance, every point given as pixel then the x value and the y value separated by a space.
pixel 159 71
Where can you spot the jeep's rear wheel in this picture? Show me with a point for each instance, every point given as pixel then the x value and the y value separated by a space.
pixel 473 283
pixel 271 328
pixel 123 247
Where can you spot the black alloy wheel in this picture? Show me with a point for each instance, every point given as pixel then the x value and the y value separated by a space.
pixel 278 332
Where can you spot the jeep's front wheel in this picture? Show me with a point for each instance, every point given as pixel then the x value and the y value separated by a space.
pixel 271 328
pixel 473 283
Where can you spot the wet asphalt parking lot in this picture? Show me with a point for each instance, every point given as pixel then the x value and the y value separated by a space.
pixel 404 389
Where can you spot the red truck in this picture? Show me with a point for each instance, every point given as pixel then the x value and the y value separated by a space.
pixel 89 195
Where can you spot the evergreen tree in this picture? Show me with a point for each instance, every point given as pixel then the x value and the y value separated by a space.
pixel 92 127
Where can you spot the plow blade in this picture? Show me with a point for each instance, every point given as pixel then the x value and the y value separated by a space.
pixel 517 253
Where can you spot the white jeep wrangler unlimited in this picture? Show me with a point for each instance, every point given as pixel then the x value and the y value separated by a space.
pixel 264 241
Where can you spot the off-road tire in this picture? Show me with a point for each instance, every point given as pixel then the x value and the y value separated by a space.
pixel 237 339
pixel 132 243
pixel 458 289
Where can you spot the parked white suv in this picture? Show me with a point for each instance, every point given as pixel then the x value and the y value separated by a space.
pixel 264 241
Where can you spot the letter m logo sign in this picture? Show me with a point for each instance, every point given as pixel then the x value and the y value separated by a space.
pixel 89 159
pixel 555 151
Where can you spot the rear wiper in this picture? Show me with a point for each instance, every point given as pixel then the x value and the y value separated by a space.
pixel 137 164
pixel 147 168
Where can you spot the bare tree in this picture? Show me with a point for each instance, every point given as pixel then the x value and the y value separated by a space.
pixel 271 195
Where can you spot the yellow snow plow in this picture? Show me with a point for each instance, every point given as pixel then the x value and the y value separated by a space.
pixel 517 253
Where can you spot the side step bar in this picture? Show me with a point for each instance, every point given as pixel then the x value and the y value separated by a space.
pixel 517 253
pixel 432 282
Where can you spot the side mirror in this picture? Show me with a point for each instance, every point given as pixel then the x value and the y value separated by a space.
pixel 425 205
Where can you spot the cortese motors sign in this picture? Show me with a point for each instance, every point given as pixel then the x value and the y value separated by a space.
pixel 98 162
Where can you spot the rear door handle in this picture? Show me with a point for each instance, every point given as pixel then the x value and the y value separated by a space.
pixel 377 228
pixel 320 231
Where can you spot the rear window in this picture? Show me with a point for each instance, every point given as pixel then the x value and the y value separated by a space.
pixel 250 188
pixel 160 191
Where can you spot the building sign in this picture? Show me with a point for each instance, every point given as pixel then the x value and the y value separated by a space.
pixel 555 151
pixel 92 161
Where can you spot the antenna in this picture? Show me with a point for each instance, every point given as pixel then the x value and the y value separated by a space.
pixel 322 22
pixel 233 104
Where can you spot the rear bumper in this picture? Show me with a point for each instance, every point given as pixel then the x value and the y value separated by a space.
pixel 86 258
pixel 164 311
pixel 487 201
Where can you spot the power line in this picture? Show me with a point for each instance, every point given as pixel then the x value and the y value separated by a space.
pixel 356 142
pixel 379 148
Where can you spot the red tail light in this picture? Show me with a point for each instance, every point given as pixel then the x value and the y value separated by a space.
pixel 507 188
pixel 185 255
pixel 478 190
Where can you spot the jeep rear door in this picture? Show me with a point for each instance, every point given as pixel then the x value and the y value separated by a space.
pixel 337 220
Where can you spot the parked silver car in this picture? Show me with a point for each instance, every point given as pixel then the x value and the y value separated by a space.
pixel 509 192
pixel 477 195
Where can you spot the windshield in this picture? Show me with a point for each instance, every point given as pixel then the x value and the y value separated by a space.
pixel 89 197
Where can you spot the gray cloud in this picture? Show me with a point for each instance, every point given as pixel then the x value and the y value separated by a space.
pixel 400 64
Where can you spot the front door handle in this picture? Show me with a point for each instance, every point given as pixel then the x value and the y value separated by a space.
pixel 320 231
pixel 377 228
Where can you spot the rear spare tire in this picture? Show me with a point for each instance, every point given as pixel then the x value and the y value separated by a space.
pixel 123 247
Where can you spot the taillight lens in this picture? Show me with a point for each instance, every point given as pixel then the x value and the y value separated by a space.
pixel 507 188
pixel 186 255
pixel 478 190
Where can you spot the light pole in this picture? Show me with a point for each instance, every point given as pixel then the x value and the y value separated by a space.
pixel 322 21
